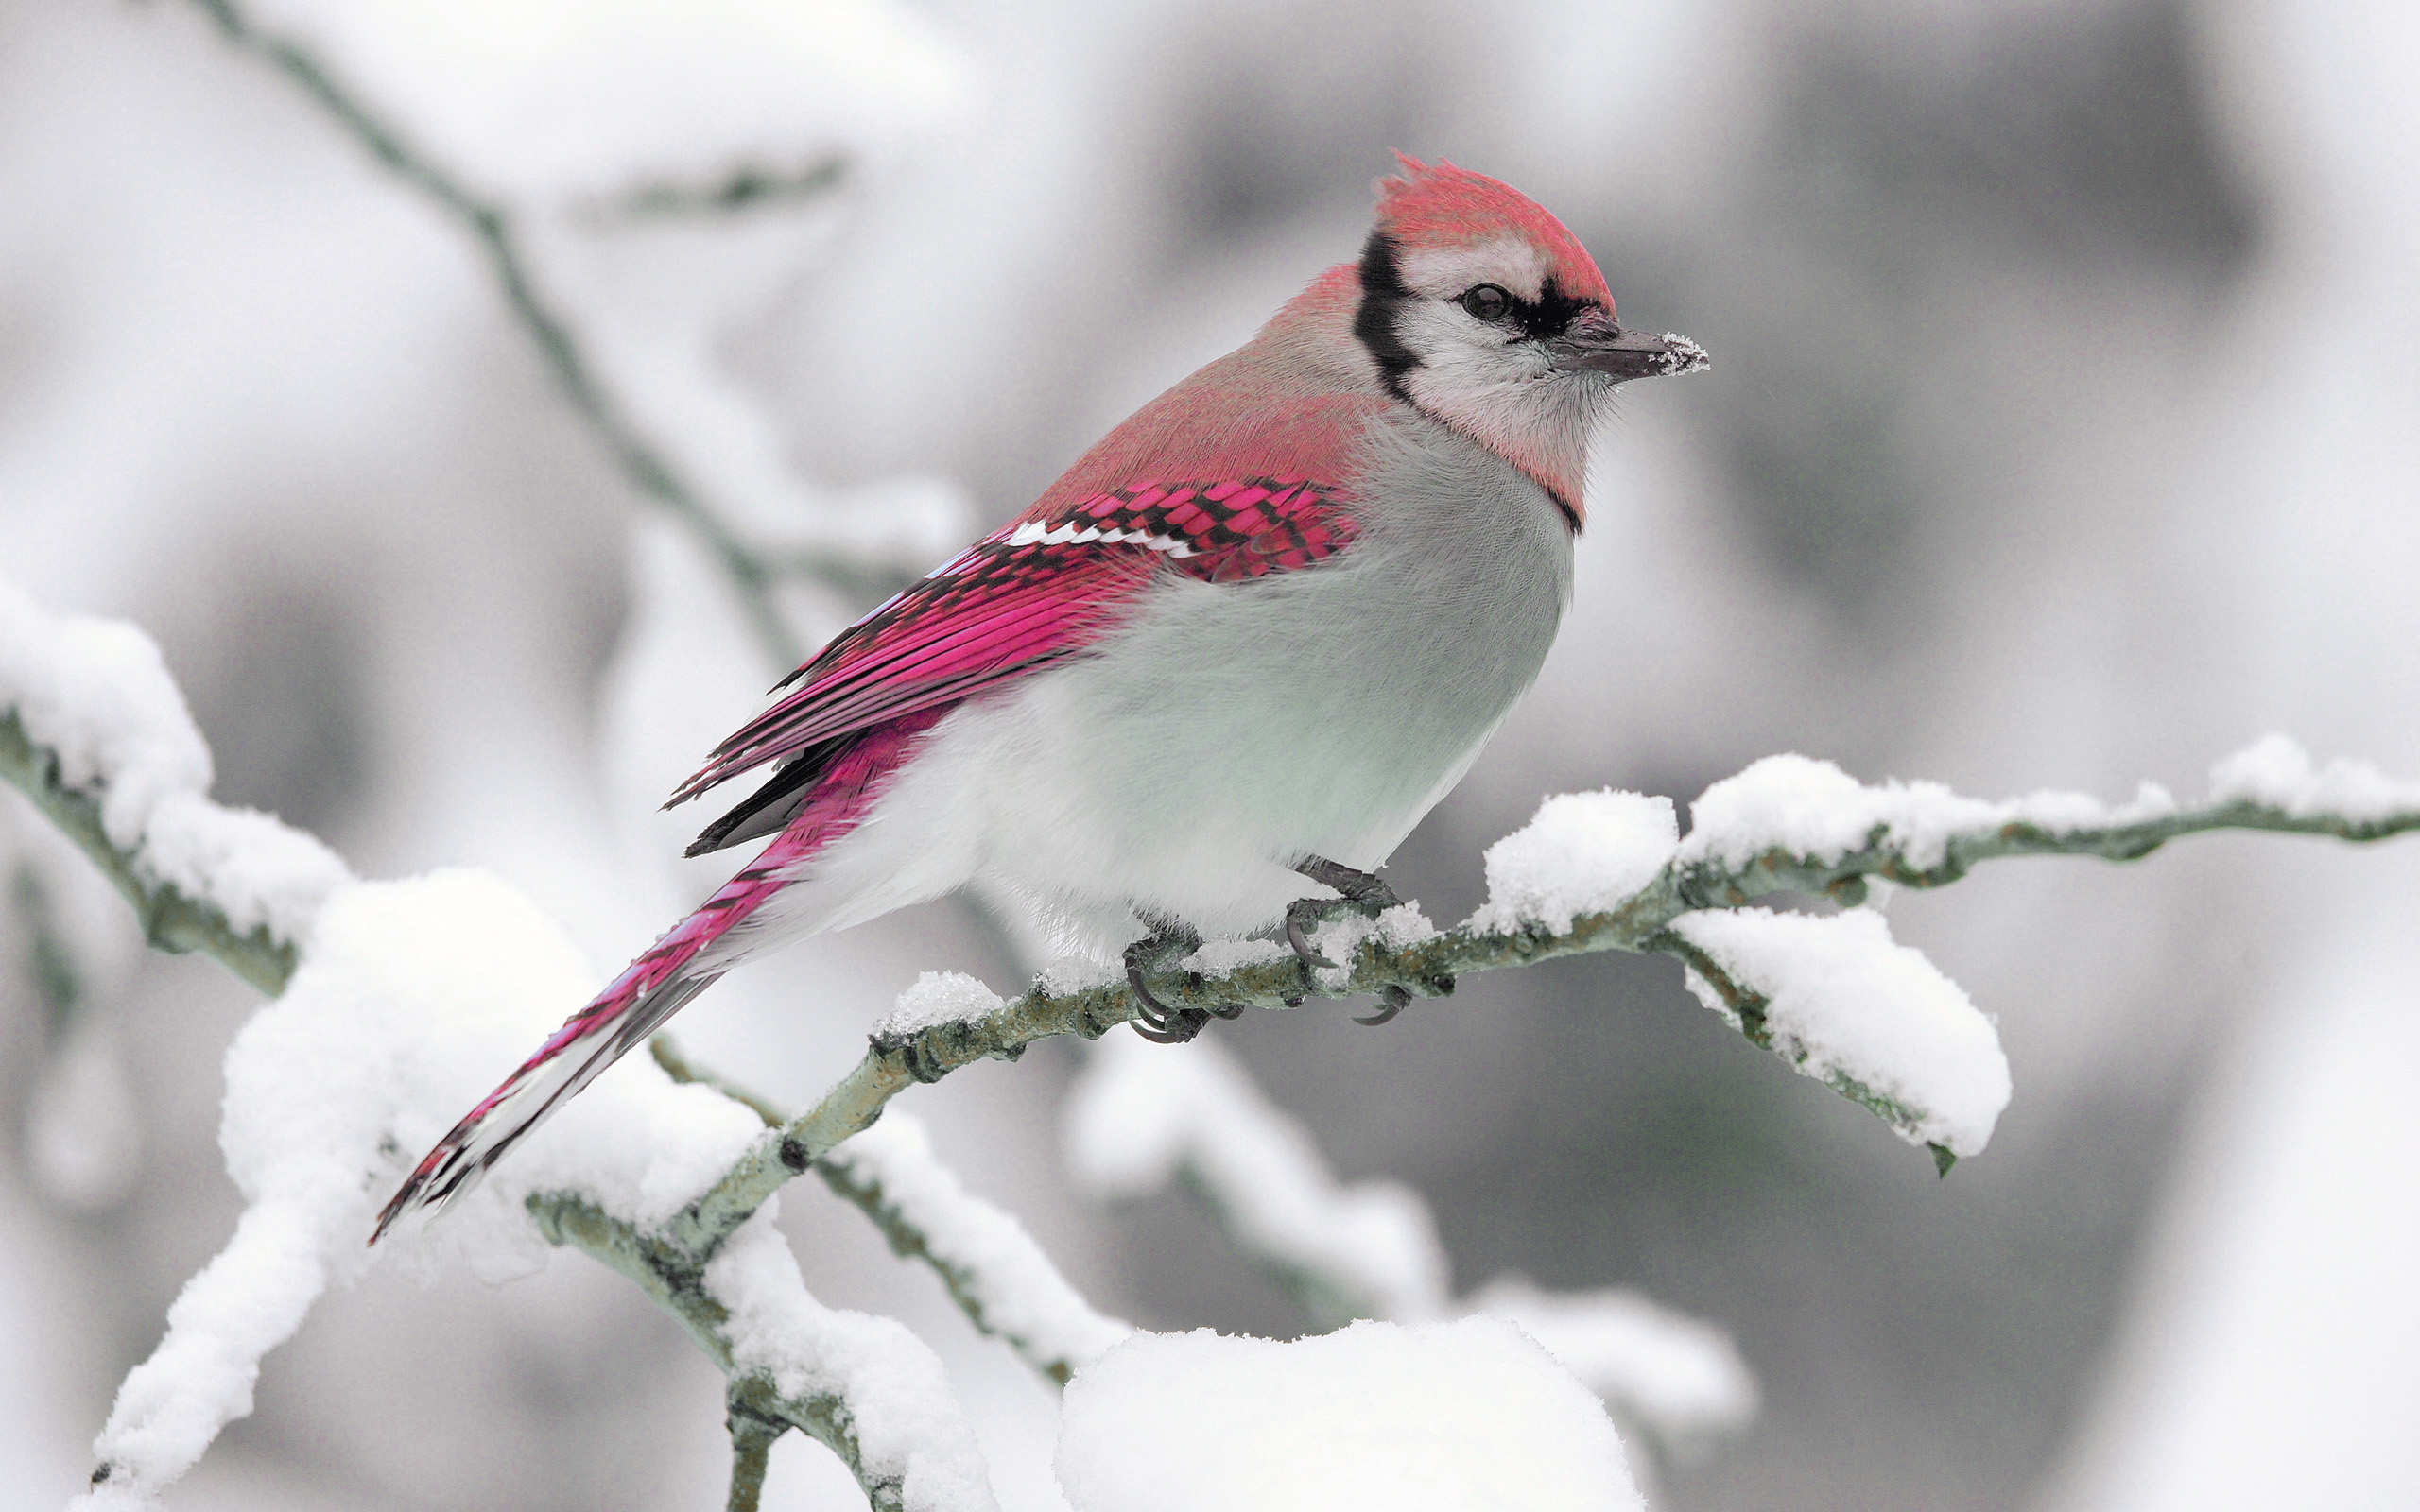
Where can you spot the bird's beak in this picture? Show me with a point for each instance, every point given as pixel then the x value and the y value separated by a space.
pixel 1627 354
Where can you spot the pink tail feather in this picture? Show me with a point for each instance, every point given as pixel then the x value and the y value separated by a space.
pixel 653 987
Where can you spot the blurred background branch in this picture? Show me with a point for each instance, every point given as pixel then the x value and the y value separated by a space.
pixel 754 574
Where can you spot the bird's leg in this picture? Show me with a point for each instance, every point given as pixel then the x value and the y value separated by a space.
pixel 1153 1019
pixel 1364 893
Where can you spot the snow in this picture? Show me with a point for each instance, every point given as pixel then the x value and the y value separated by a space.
pixel 1812 808
pixel 95 694
pixel 1077 972
pixel 577 98
pixel 1583 853
pixel 1461 1416
pixel 1340 940
pixel 1142 1113
pixel 937 998
pixel 413 998
pixel 891 1390
pixel 1847 1004
pixel 1687 356
pixel 1023 1298
pixel 2276 773
pixel 1677 1377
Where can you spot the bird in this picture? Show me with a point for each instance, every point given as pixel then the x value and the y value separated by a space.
pixel 1248 639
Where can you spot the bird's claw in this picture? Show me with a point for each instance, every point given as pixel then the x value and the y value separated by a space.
pixel 1154 1020
pixel 1363 894
pixel 1391 1001
pixel 1303 911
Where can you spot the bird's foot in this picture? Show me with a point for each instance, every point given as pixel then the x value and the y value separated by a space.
pixel 1153 1019
pixel 1364 893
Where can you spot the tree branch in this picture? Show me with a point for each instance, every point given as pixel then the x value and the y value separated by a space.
pixel 171 921
pixel 917 1205
pixel 752 1446
pixel 566 1218
pixel 490 224
pixel 1638 923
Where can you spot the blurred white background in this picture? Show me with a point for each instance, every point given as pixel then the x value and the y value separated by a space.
pixel 2061 433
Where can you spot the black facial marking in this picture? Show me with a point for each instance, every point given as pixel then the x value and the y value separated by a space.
pixel 1549 314
pixel 1382 297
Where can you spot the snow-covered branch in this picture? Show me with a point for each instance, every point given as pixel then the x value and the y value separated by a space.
pixel 1608 871
pixel 990 1266
pixel 95 733
pixel 840 1378
pixel 755 541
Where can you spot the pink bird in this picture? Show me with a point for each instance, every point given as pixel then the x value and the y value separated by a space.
pixel 1249 638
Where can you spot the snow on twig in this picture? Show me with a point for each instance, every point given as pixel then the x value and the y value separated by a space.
pixel 863 1386
pixel 1869 1017
pixel 96 734
pixel 994 1270
pixel 618 141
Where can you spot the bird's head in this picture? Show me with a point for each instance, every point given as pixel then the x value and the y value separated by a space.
pixel 1483 311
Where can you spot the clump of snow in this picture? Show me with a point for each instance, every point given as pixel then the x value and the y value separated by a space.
pixel 1583 853
pixel 412 1000
pixel 1340 940
pixel 1077 972
pixel 937 998
pixel 1845 1003
pixel 2277 773
pixel 1140 1114
pixel 1674 1375
pixel 891 1387
pixel 565 98
pixel 1023 1298
pixel 1464 1417
pixel 95 694
pixel 1685 356
pixel 1813 809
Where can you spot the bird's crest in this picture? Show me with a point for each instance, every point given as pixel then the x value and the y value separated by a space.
pixel 1441 205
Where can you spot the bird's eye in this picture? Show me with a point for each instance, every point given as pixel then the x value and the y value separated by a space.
pixel 1487 301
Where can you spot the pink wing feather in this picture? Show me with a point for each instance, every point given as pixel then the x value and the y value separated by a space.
pixel 1031 592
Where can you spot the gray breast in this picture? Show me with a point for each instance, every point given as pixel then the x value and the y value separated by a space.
pixel 1325 710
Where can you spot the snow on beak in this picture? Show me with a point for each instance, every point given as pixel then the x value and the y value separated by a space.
pixel 1597 345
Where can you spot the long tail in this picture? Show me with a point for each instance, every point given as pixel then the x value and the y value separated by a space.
pixel 650 990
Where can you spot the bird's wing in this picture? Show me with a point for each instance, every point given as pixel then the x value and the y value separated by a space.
pixel 1041 589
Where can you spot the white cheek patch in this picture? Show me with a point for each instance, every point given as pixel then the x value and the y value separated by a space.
pixel 1443 273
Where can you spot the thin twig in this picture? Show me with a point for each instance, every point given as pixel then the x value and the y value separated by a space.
pixel 752 1446
pixel 491 225
pixel 566 1218
pixel 171 921
pixel 862 1188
